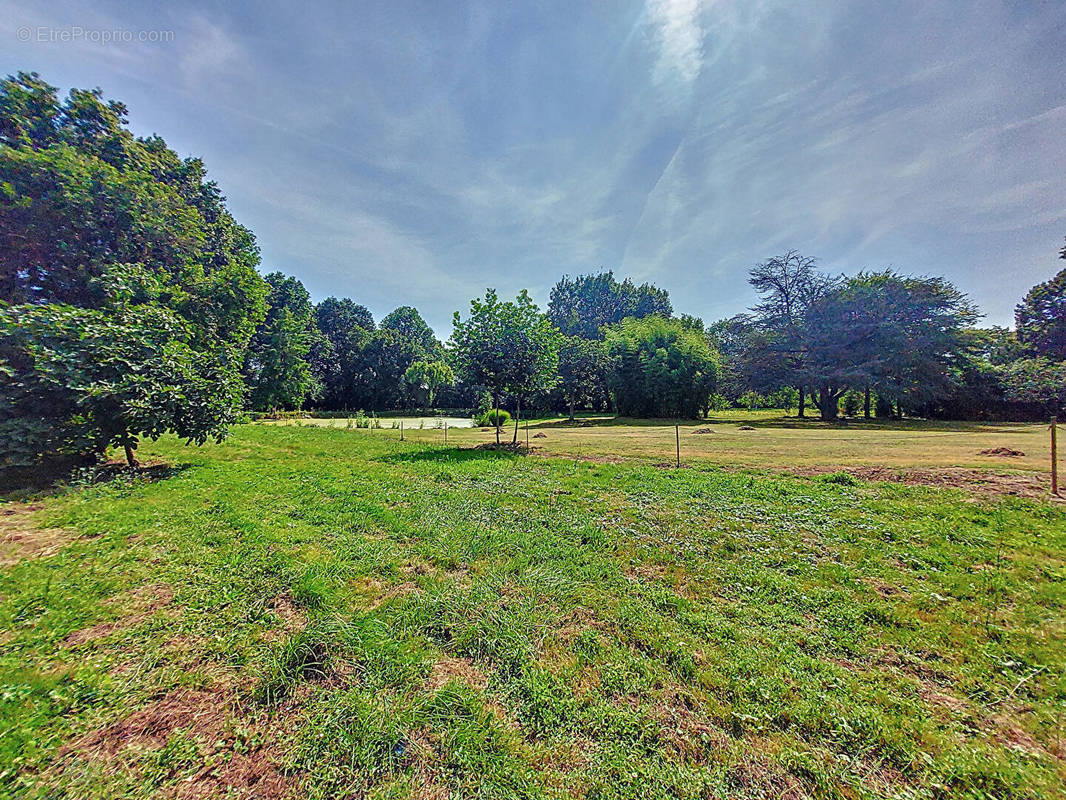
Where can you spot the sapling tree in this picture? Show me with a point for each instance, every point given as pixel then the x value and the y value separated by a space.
pixel 507 347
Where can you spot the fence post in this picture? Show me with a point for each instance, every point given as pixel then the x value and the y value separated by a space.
pixel 401 430
pixel 527 434
pixel 1054 455
pixel 677 437
pixel 446 433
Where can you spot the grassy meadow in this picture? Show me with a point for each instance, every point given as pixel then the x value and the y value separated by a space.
pixel 775 441
pixel 310 611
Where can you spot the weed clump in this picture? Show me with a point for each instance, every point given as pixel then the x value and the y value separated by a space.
pixel 840 478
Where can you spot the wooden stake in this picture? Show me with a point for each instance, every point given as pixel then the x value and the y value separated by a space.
pixel 527 434
pixel 677 437
pixel 1054 456
pixel 401 430
pixel 446 433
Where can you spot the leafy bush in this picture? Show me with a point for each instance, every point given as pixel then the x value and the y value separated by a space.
pixel 660 368
pixel 492 418
pixel 77 381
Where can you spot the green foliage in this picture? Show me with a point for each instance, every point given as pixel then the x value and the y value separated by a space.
pixel 1040 319
pixel 851 403
pixel 360 365
pixel 582 370
pixel 508 347
pixel 786 397
pixel 276 366
pixel 660 368
pixel 582 306
pixel 493 417
pixel 839 478
pixel 897 334
pixel 81 194
pixel 408 324
pixel 133 291
pixel 429 376
pixel 1037 380
pixel 77 381
pixel 752 401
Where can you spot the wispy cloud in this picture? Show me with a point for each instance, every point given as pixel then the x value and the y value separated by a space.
pixel 418 154
pixel 678 34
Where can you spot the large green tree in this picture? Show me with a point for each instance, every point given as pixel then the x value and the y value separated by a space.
pixel 336 358
pixel 660 368
pixel 276 367
pixel 582 370
pixel 408 324
pixel 582 306
pixel 428 377
pixel 76 381
pixel 506 346
pixel 900 335
pixel 776 349
pixel 80 193
pixel 93 218
pixel 1040 319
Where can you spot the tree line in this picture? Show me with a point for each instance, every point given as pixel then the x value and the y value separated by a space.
pixel 131 305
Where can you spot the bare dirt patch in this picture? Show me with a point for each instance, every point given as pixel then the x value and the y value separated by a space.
pixel 691 734
pixel 540 436
pixel 241 752
pixel 973 481
pixel 600 459
pixel 374 591
pixel 884 589
pixel 21 539
pixel 141 603
pixel 448 669
pixel 292 617
pixel 1003 452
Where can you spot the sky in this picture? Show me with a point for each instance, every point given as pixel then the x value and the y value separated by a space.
pixel 416 153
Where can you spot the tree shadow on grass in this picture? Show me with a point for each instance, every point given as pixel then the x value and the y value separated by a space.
pixel 31 483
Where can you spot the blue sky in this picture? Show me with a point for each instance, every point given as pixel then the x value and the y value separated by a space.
pixel 415 153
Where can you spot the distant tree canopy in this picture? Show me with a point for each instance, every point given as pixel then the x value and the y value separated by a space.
pixel 1037 380
pixel 583 370
pixel 131 304
pixel 93 218
pixel 898 335
pixel 1040 319
pixel 660 368
pixel 408 324
pixel 276 366
pixel 429 376
pixel 775 348
pixel 582 306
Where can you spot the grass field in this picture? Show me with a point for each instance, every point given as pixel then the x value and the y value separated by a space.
pixel 317 612
pixel 777 441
